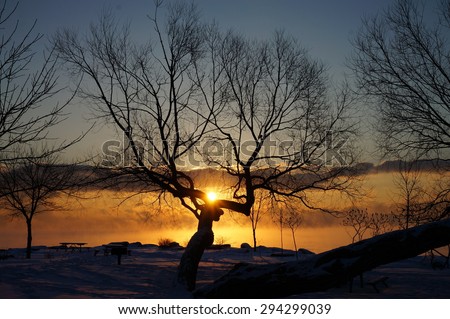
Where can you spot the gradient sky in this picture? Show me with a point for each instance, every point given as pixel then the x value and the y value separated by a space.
pixel 324 27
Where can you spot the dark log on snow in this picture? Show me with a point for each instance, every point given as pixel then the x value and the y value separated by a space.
pixel 328 269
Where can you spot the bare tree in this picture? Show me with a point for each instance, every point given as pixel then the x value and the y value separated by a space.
pixel 257 211
pixel 28 110
pixel 293 219
pixel 421 204
pixel 381 223
pixel 436 205
pixel 421 197
pixel 193 86
pixel 359 220
pixel 286 213
pixel 411 193
pixel 401 63
pixel 25 89
pixel 146 93
pixel 34 185
pixel 277 212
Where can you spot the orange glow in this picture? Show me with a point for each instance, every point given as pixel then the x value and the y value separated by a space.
pixel 211 196
pixel 105 218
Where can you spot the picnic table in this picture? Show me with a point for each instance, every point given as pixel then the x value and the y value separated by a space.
pixel 72 245
pixel 4 254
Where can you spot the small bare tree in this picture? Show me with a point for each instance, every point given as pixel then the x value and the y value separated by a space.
pixel 381 223
pixel 34 185
pixel 437 196
pixel 259 208
pixel 359 220
pixel 411 193
pixel 293 220
pixel 277 212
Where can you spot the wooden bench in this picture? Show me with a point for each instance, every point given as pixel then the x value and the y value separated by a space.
pixel 376 282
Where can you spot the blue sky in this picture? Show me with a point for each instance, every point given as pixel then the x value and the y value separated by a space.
pixel 324 27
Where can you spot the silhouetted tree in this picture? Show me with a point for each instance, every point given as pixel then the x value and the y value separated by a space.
pixel 257 211
pixel 359 220
pixel 194 87
pixel 411 194
pixel 419 202
pixel 34 185
pixel 277 212
pixel 401 63
pixel 292 218
pixel 381 223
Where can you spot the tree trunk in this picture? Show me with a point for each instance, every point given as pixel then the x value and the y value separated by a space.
pixel 254 238
pixel 203 238
pixel 281 233
pixel 328 269
pixel 29 239
pixel 295 243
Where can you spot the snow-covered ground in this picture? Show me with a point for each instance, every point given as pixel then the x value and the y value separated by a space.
pixel 149 272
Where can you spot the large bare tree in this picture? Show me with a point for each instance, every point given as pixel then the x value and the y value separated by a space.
pixel 402 63
pixel 263 105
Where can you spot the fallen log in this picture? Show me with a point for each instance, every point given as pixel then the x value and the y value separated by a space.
pixel 328 269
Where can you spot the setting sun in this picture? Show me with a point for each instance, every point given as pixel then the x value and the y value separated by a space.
pixel 212 196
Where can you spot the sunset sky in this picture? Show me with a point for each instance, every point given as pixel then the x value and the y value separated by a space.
pixel 323 27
